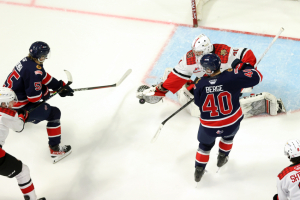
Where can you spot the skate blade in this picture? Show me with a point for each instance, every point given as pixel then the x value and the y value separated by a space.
pixel 218 169
pixel 59 158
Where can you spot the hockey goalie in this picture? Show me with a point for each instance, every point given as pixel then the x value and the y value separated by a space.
pixel 178 79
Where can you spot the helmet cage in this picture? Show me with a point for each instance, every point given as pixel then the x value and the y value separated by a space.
pixel 202 44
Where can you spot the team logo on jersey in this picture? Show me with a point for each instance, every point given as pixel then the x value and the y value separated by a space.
pixel 38 72
pixel 39 67
pixel 219 132
pixel 189 54
pixel 223 52
pixel 213 81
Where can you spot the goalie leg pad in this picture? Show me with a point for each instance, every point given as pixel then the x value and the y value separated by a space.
pixel 185 96
pixel 256 104
pixel 11 166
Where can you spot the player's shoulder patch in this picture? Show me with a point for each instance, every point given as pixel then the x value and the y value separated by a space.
pixel 190 58
pixel 230 70
pixel 39 67
pixel 287 170
pixel 8 111
pixel 198 80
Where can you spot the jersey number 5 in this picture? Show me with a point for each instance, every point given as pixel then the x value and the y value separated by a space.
pixel 9 79
pixel 210 104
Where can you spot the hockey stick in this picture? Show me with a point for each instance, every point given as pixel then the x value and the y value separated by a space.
pixel 163 123
pixel 107 86
pixel 275 38
pixel 70 81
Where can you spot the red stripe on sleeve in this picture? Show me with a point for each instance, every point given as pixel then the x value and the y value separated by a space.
pixel 174 83
pixel 28 189
pixel 2 153
pixel 8 111
pixel 47 78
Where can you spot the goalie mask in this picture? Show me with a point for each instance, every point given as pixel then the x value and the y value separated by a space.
pixel 148 99
pixel 201 45
pixel 292 149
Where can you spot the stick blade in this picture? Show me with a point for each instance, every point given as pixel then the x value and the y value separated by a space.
pixel 123 77
pixel 157 133
pixel 69 77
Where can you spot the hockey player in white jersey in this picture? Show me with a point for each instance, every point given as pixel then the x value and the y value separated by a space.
pixel 178 79
pixel 288 181
pixel 9 165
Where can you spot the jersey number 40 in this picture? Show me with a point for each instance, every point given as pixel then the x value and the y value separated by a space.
pixel 211 106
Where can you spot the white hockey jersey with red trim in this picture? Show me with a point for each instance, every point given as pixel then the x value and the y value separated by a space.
pixel 288 183
pixel 190 64
pixel 9 120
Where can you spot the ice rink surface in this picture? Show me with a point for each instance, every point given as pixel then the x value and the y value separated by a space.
pixel 110 132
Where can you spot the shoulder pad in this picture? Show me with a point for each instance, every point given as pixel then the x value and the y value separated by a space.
pixel 190 58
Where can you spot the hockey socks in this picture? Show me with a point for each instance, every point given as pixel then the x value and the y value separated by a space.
pixel 25 183
pixel 225 146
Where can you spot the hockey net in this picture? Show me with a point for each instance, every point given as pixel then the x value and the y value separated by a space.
pixel 197 7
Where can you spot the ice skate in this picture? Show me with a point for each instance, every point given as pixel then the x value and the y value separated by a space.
pixel 59 152
pixel 199 171
pixel 26 197
pixel 222 159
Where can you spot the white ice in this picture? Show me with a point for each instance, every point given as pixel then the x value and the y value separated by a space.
pixel 109 131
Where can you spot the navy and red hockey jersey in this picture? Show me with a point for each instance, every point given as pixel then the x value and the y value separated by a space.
pixel 218 96
pixel 30 82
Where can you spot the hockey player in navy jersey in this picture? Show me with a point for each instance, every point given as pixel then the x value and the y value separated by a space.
pixel 288 181
pixel 9 165
pixel 31 83
pixel 217 96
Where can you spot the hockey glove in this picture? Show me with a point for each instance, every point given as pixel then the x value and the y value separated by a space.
pixel 156 90
pixel 46 93
pixel 67 91
pixel 239 65
pixel 23 115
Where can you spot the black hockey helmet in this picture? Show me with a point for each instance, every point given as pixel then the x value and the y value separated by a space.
pixel 210 61
pixel 39 49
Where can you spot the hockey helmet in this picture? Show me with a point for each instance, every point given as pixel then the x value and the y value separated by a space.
pixel 39 49
pixel 292 149
pixel 7 95
pixel 201 45
pixel 210 62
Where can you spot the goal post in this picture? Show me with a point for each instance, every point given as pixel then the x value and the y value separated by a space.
pixel 197 7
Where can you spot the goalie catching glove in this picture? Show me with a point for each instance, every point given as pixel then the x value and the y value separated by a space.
pixel 150 94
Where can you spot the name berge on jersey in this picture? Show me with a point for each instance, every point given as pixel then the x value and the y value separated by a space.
pixel 217 88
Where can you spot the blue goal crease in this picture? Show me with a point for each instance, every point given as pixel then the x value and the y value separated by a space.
pixel 279 67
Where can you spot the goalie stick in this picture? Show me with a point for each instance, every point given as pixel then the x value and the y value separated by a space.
pixel 185 105
pixel 70 81
pixel 106 86
pixel 163 123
